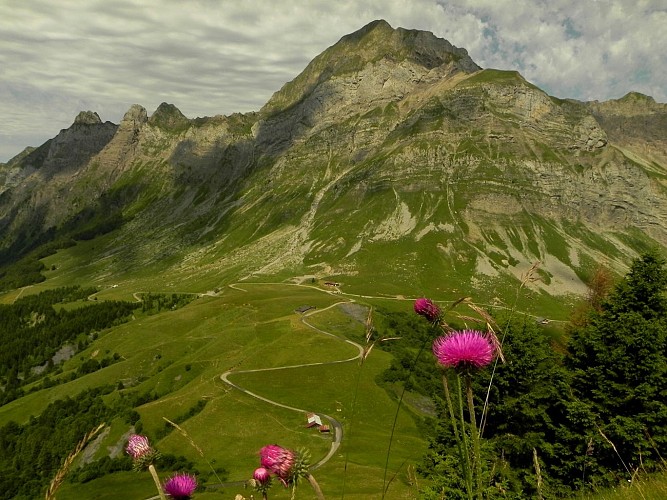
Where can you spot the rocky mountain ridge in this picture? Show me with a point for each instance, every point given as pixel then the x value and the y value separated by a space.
pixel 392 143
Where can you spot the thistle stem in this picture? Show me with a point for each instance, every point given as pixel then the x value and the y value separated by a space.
pixel 455 428
pixel 153 472
pixel 476 450
pixel 466 446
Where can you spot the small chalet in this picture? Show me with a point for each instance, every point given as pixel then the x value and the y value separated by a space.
pixel 313 420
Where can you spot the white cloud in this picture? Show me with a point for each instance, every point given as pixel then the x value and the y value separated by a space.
pixel 217 57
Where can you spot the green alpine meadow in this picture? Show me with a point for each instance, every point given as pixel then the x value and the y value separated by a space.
pixel 404 277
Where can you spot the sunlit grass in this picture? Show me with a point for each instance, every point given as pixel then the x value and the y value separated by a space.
pixel 179 355
pixel 652 487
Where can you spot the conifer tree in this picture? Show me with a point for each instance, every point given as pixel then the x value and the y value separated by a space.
pixel 619 370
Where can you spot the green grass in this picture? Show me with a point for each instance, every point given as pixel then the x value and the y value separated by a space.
pixel 181 354
pixel 495 76
pixel 128 485
pixel 642 488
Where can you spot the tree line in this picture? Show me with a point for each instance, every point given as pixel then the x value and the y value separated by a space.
pixel 32 331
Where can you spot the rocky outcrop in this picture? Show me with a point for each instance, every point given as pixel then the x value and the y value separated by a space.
pixel 39 187
pixel 87 118
pixel 169 117
pixel 636 123
pixel 133 119
pixel 119 153
pixel 58 159
pixel 73 147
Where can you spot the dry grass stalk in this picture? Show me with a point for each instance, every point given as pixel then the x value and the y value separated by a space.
pixel 184 433
pixel 528 277
pixel 632 476
pixel 483 317
pixel 67 464
pixel 655 447
pixel 538 474
pixel 370 330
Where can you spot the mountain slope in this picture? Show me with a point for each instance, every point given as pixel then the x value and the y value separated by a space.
pixel 392 162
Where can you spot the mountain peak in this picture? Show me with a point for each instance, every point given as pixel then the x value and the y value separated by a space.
pixel 631 104
pixel 389 151
pixel 419 46
pixel 380 25
pixel 637 97
pixel 168 116
pixel 134 118
pixel 87 118
pixel 376 43
pixel 136 113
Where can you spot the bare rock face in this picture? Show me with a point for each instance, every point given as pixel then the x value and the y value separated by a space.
pixel 41 178
pixel 534 113
pixel 372 67
pixel 11 174
pixel 635 122
pixel 87 118
pixel 73 147
pixel 134 118
pixel 117 156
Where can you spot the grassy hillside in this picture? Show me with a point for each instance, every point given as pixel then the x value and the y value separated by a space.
pixel 179 356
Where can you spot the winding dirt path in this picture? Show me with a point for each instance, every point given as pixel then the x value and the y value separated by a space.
pixel 335 424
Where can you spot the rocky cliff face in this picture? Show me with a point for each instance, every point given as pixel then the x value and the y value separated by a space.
pixel 392 146
pixel 37 185
pixel 363 71
pixel 69 151
pixel 636 123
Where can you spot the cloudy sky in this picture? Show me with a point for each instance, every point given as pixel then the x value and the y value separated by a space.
pixel 213 57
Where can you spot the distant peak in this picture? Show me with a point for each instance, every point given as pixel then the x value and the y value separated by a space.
pixel 136 113
pixel 166 108
pixel 87 118
pixel 637 97
pixel 379 39
pixel 168 116
pixel 632 103
pixel 379 24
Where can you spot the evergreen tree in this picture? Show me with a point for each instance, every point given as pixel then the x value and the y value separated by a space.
pixel 619 366
pixel 527 405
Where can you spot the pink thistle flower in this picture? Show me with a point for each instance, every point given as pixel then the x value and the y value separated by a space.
pixel 262 475
pixel 138 446
pixel 180 486
pixel 464 348
pixel 278 460
pixel 426 307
